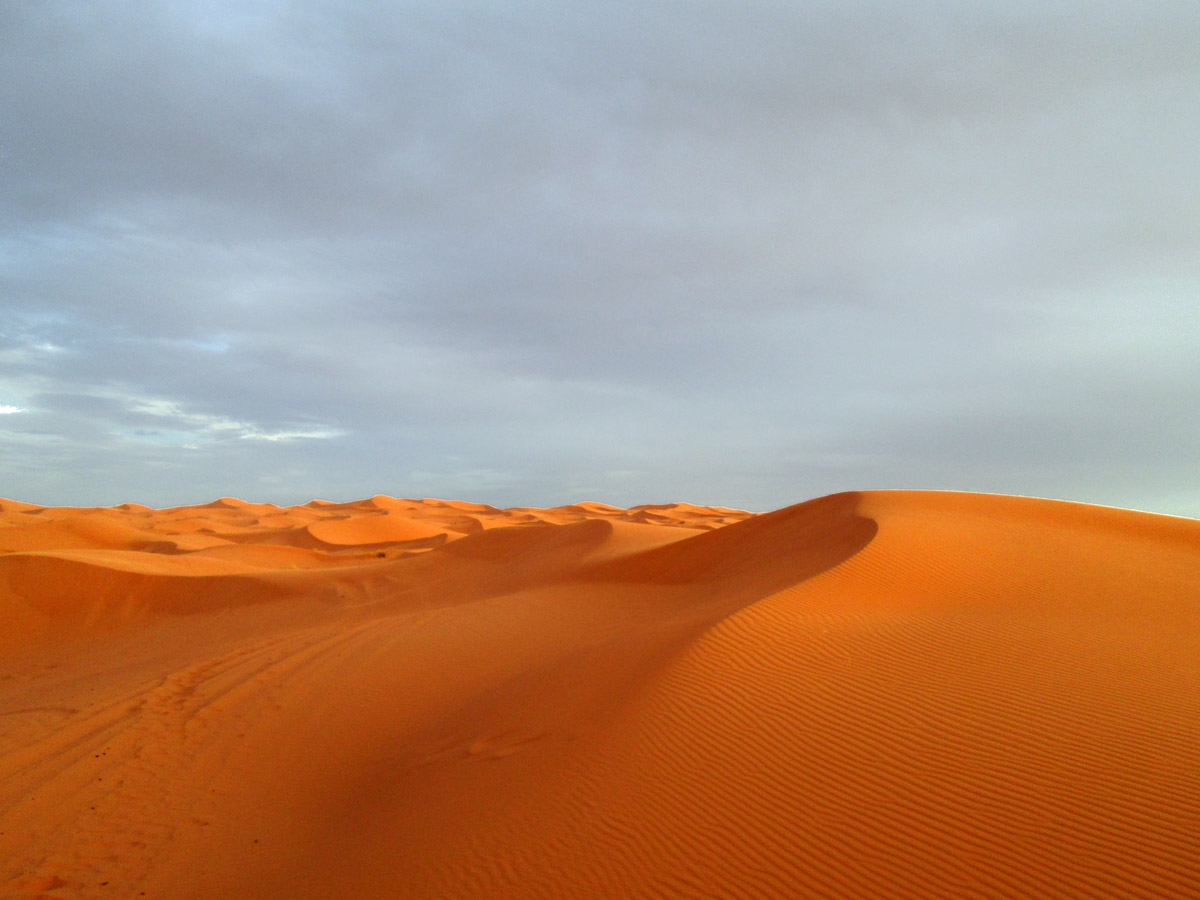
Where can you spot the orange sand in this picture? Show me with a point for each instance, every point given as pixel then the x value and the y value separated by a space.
pixel 874 695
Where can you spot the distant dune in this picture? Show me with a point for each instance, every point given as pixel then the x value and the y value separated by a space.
pixel 869 695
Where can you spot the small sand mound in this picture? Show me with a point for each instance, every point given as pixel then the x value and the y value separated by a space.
pixel 372 529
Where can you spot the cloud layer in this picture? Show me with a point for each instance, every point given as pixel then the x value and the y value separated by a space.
pixel 529 253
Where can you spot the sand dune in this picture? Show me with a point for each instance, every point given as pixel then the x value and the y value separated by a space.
pixel 870 695
pixel 371 530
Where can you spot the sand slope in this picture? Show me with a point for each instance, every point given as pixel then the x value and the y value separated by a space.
pixel 881 694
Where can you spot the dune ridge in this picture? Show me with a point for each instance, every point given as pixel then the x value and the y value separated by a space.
pixel 886 694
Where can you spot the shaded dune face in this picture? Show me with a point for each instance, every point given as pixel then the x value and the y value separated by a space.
pixel 876 694
pixel 761 555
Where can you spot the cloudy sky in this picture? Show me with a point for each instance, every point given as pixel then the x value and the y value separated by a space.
pixel 741 253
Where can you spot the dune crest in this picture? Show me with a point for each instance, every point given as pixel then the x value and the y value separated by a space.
pixel 888 694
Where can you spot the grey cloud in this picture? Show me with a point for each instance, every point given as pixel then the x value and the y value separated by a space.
pixel 739 253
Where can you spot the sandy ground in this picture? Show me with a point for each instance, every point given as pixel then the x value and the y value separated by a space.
pixel 869 695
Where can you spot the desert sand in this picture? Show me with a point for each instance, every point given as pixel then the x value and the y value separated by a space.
pixel 869 695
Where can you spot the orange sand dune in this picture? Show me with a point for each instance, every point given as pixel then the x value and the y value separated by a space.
pixel 870 695
pixel 377 529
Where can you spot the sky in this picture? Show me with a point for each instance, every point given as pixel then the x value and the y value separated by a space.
pixel 529 253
